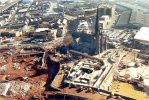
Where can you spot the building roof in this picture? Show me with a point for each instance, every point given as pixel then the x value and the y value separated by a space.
pixel 143 34
pixel 23 10
pixel 41 29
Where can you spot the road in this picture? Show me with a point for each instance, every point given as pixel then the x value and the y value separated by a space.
pixel 109 77
pixel 6 7
pixel 106 78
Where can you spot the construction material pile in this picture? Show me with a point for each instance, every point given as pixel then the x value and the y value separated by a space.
pixel 14 88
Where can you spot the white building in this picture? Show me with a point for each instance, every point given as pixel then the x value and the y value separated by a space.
pixel 104 21
pixel 142 38
pixel 143 35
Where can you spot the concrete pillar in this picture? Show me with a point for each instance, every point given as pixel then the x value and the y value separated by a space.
pixel 105 43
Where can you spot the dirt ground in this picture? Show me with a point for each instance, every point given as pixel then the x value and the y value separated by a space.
pixel 127 90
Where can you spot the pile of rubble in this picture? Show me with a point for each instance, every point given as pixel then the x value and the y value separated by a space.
pixel 2 60
pixel 3 69
pixel 4 88
pixel 16 66
pixel 139 75
pixel 14 88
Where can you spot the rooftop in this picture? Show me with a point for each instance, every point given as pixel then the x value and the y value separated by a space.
pixel 41 29
pixel 143 34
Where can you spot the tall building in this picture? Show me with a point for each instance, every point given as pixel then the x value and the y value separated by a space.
pixel 89 37
pixel 96 38
pixel 106 9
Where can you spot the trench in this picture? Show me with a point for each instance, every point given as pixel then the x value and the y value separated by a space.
pixel 65 97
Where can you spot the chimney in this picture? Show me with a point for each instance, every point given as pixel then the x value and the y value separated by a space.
pixel 105 43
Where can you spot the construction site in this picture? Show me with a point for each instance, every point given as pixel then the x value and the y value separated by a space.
pixel 68 50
